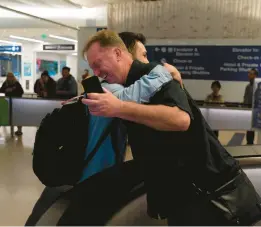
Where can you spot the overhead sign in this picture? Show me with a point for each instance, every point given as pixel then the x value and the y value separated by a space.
pixel 230 63
pixel 10 48
pixel 5 58
pixel 59 47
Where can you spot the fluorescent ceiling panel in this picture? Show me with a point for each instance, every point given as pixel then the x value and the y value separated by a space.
pixel 27 39
pixel 63 38
pixel 10 42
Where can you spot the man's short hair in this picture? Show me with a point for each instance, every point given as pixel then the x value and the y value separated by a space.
pixel 106 38
pixel 66 68
pixel 130 39
pixel 254 71
pixel 216 83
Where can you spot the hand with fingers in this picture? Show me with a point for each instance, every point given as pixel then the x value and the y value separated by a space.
pixel 174 73
pixel 103 104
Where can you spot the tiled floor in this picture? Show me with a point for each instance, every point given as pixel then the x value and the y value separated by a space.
pixel 19 188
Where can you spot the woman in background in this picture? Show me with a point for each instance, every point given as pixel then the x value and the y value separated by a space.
pixel 39 87
pixel 215 97
pixel 12 88
pixel 45 86
pixel 49 84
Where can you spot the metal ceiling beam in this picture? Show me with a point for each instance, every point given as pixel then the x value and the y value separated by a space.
pixel 73 3
pixel 38 18
pixel 31 3
pixel 40 3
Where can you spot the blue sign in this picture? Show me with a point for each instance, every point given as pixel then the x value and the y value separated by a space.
pixel 230 63
pixel 5 58
pixel 10 48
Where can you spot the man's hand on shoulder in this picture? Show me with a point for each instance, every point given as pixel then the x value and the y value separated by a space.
pixel 174 73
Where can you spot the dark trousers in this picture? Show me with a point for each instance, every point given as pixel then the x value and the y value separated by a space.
pixel 93 201
pixel 92 206
pixel 47 198
pixel 250 136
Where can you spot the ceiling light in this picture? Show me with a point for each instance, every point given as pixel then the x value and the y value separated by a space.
pixel 63 38
pixel 9 42
pixel 26 39
pixel 75 54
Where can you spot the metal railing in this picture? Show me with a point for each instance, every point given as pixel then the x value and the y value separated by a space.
pixel 30 112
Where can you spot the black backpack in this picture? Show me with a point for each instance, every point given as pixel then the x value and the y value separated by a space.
pixel 60 144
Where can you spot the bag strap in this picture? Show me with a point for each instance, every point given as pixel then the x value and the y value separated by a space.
pixel 189 96
pixel 115 142
pixel 104 135
pixel 192 101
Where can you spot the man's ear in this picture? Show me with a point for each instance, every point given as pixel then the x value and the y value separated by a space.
pixel 118 53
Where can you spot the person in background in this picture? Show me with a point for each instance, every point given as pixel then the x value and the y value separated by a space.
pixel 12 88
pixel 86 74
pixel 66 86
pixel 49 85
pixel 215 97
pixel 39 86
pixel 45 86
pixel 248 98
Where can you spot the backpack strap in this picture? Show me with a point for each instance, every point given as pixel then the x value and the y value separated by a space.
pixel 116 136
pixel 104 135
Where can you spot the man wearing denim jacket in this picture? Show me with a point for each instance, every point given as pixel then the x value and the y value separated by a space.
pixel 105 155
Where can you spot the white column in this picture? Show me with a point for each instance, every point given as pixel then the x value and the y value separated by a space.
pixel 28 59
pixel 83 34
pixel 71 62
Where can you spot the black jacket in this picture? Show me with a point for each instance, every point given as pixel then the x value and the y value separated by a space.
pixel 50 88
pixel 173 161
pixel 17 90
